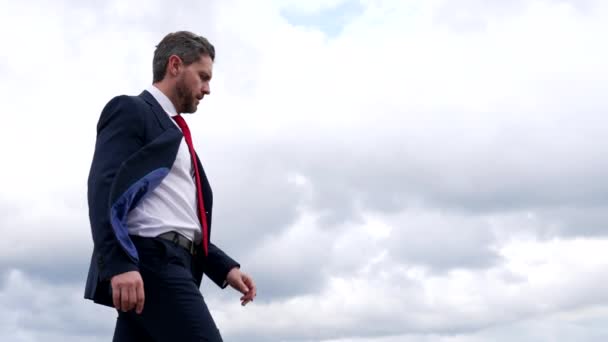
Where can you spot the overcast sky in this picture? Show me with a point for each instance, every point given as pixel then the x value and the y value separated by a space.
pixel 388 171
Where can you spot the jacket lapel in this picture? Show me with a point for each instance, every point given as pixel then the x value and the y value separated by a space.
pixel 163 119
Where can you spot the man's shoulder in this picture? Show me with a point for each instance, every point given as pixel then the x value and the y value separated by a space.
pixel 122 110
pixel 125 100
pixel 133 105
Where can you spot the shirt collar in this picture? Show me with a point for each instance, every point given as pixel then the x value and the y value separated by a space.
pixel 163 100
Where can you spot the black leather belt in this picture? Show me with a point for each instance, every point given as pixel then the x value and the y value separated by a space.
pixel 180 240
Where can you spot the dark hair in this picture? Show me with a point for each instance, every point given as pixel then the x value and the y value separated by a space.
pixel 184 44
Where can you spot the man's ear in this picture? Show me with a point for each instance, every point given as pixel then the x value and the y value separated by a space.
pixel 174 65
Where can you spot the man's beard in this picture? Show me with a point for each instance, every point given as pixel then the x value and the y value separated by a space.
pixel 186 100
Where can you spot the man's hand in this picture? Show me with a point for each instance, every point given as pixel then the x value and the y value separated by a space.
pixel 242 283
pixel 128 291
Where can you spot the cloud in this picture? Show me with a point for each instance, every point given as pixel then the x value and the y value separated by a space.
pixel 532 286
pixel 34 310
pixel 420 172
pixel 330 18
pixel 442 240
pixel 466 132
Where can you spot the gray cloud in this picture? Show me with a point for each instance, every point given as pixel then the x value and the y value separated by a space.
pixel 463 306
pixel 388 184
pixel 349 177
pixel 443 240
pixel 35 308
pixel 253 197
pixel 49 246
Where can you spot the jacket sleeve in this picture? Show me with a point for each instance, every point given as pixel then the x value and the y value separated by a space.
pixel 218 264
pixel 119 135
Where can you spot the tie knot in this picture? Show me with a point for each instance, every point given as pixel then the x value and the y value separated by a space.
pixel 182 124
pixel 179 119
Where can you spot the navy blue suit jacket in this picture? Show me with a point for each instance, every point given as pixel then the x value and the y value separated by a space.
pixel 136 145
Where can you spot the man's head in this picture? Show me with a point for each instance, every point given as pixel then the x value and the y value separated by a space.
pixel 182 68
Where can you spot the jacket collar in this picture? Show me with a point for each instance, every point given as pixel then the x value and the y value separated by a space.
pixel 159 112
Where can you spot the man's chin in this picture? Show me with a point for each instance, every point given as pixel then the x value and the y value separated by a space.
pixel 191 110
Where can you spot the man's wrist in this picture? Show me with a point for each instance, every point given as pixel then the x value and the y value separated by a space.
pixel 226 280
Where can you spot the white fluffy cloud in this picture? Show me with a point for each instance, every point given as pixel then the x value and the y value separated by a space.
pixel 430 171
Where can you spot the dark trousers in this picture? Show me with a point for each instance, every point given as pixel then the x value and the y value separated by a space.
pixel 174 309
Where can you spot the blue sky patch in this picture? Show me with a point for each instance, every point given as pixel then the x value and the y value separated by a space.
pixel 331 21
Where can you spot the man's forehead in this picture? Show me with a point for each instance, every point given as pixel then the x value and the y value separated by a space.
pixel 205 59
pixel 205 62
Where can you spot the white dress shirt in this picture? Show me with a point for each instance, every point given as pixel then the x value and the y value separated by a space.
pixel 172 206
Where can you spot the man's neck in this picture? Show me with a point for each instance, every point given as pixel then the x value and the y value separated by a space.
pixel 167 90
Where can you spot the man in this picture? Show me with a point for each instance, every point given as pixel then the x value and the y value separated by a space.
pixel 150 206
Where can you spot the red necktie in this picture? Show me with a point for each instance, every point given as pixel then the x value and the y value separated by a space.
pixel 199 191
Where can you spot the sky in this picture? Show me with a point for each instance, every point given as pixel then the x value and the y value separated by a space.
pixel 387 171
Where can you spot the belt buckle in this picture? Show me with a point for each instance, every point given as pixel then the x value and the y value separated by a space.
pixel 175 238
pixel 185 243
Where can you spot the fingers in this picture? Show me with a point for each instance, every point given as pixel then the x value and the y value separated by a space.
pixel 140 299
pixel 245 301
pixel 240 285
pixel 128 292
pixel 132 297
pixel 249 282
pixel 116 297
pixel 251 293
pixel 124 299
